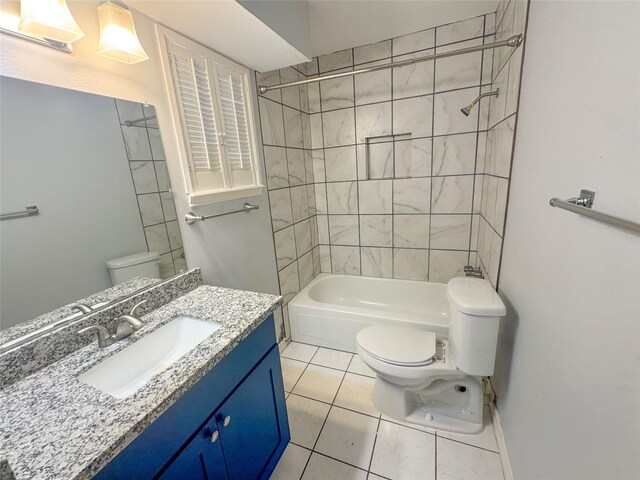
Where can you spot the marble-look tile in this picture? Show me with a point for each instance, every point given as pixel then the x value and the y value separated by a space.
pixel 175 239
pixel 278 321
pixel 321 198
pixel 340 163
pixel 487 61
pixel 336 93
pixel 325 357
pixel 306 418
pixel 413 158
pixel 376 262
pixel 502 148
pixel 269 79
pixel 299 203
pixel 447 116
pixel 300 351
pixel 319 173
pixel 291 372
pixel 162 174
pixel 157 238
pixel 303 237
pixel 375 196
pixel 308 166
pixel 293 128
pixel 450 232
pixel 345 260
pixel 454 154
pixel 355 394
pixel 411 231
pixel 296 166
pixel 412 195
pixel 475 222
pixel 502 192
pixel 344 230
pixel 338 128
pixel 305 269
pixel 157 150
pixel 136 141
pixel 128 110
pixel 461 71
pixel 403 453
pixel 373 87
pixel 410 264
pixel 378 160
pixel 292 463
pixel 289 282
pixel 342 198
pixel 458 31
pixel 413 42
pixel 372 52
pixel 179 260
pixel 359 367
pixel 490 23
pixel 456 460
pixel 375 230
pixel 272 122
pixel 319 383
pixel 335 60
pixel 413 116
pixel 165 262
pixel 313 90
pixel 452 194
pixel 144 177
pixel 513 84
pixel 311 199
pixel 275 159
pixel 290 95
pixel 325 259
pixel 348 436
pixel 373 121
pixel 497 104
pixel 316 261
pixel 168 206
pixel 323 229
pixel 315 122
pixel 444 265
pixel 281 213
pixel 285 247
pixel 322 468
pixel 413 80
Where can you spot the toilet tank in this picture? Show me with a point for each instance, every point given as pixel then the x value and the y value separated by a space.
pixel 145 264
pixel 475 310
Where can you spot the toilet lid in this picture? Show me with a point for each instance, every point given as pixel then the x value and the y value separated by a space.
pixel 398 345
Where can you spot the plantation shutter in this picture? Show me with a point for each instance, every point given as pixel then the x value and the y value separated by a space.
pixel 234 116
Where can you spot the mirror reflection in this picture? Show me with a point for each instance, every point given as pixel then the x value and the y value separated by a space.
pixel 95 168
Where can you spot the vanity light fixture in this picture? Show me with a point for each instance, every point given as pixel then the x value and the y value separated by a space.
pixel 118 38
pixel 48 19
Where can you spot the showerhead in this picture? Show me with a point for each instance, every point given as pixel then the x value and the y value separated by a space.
pixel 466 110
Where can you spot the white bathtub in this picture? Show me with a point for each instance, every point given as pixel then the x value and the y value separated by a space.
pixel 332 309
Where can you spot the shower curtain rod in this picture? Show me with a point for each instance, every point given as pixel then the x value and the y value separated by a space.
pixel 512 42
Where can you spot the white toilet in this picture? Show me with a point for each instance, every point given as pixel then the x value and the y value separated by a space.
pixel 431 382
pixel 145 264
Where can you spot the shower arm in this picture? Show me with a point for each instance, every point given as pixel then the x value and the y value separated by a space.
pixel 482 95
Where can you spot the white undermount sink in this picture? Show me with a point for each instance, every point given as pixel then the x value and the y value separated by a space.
pixel 124 373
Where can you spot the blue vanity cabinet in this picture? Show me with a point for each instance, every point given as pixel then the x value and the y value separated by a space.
pixel 232 424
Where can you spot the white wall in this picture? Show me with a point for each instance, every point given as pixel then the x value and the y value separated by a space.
pixel 83 188
pixel 235 251
pixel 568 371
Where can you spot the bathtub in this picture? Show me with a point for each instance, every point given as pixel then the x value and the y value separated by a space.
pixel 332 309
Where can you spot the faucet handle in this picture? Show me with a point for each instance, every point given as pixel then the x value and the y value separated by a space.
pixel 133 310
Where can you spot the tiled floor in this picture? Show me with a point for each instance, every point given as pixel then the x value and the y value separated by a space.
pixel 337 433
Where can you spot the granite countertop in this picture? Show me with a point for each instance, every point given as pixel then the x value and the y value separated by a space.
pixel 55 427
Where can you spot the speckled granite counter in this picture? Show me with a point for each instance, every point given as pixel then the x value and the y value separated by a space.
pixel 55 427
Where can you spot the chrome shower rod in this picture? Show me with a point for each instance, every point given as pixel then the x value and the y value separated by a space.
pixel 512 42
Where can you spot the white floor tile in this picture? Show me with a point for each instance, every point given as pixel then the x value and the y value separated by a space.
pixel 403 453
pixel 359 367
pixel 291 464
pixel 291 372
pixel 318 382
pixel 355 394
pixel 374 477
pixel 306 417
pixel 332 358
pixel 457 461
pixel 300 351
pixel 348 436
pixel 485 439
pixel 323 468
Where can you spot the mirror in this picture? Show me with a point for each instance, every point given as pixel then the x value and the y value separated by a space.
pixel 95 168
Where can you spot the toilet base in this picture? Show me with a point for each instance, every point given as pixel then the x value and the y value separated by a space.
pixel 452 403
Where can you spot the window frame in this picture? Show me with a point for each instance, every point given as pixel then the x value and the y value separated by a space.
pixel 202 196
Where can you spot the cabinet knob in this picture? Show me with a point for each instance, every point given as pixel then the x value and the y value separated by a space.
pixel 214 436
pixel 227 421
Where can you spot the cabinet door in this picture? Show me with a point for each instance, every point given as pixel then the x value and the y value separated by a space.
pixel 250 421
pixel 201 459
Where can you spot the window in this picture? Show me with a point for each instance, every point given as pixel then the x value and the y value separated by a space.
pixel 210 101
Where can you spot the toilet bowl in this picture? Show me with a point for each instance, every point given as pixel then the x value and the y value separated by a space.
pixel 431 382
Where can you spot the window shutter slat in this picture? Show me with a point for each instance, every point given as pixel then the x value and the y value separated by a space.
pixel 233 106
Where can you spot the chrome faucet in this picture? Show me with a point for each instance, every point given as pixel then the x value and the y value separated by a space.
pixel 471 271
pixel 125 326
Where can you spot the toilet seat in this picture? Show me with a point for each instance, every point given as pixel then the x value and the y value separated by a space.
pixel 397 345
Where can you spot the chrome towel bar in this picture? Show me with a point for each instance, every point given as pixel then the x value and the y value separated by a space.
pixel 582 206
pixel 27 212
pixel 192 218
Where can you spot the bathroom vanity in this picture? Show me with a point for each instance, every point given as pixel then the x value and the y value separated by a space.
pixel 216 412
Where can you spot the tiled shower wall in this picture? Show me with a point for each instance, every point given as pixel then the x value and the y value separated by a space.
pixel 151 184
